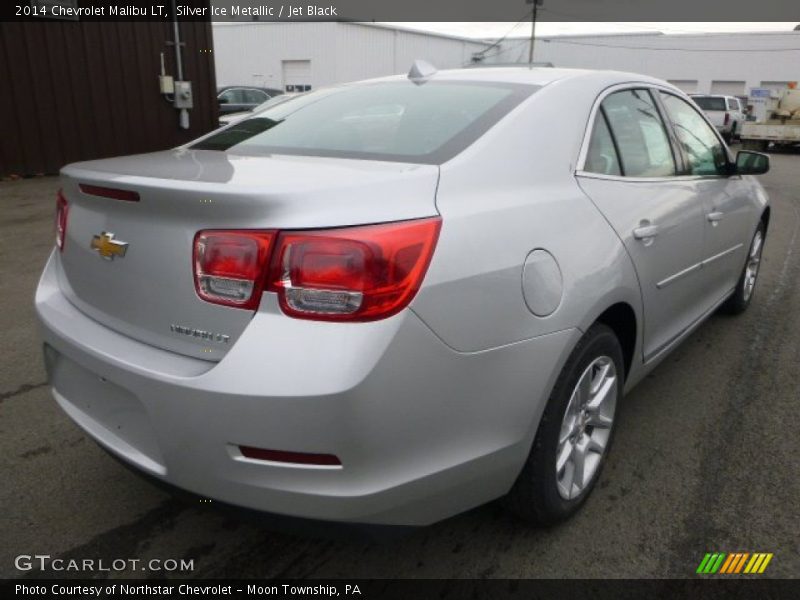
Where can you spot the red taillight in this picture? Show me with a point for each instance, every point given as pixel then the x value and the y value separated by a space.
pixel 352 274
pixel 113 193
pixel 229 266
pixel 298 458
pixel 62 208
pixel 349 274
pixel 727 118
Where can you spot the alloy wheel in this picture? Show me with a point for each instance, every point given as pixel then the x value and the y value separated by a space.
pixel 753 264
pixel 586 427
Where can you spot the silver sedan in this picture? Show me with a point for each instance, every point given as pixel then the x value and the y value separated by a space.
pixel 392 301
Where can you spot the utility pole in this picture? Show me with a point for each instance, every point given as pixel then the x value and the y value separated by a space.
pixel 536 5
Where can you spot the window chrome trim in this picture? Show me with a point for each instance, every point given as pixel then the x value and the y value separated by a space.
pixel 673 178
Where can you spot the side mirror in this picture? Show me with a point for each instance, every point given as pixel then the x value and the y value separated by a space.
pixel 223 100
pixel 751 163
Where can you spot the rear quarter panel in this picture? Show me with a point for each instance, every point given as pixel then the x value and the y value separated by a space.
pixel 510 193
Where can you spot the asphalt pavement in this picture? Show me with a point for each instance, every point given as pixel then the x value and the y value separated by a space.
pixel 706 457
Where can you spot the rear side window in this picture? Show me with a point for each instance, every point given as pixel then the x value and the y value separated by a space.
pixel 709 102
pixel 602 155
pixel 704 152
pixel 233 96
pixel 255 96
pixel 394 121
pixel 733 104
pixel 641 139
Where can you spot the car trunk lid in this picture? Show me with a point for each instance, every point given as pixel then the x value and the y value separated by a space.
pixel 127 263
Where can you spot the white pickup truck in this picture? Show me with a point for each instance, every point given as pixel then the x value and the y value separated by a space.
pixel 724 112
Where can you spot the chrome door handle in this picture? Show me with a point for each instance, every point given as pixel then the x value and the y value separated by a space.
pixel 645 233
pixel 715 216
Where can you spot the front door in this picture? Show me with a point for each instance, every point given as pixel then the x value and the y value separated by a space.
pixel 726 205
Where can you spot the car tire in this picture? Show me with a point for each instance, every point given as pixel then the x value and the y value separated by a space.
pixel 738 302
pixel 543 494
pixel 728 137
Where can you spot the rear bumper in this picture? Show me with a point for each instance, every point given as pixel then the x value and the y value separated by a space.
pixel 423 432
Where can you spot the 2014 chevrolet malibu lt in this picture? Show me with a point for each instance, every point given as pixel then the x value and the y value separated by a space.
pixel 392 301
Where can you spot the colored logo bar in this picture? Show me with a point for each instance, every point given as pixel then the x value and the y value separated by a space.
pixel 734 563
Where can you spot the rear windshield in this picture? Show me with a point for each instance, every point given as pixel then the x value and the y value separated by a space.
pixel 709 102
pixel 392 121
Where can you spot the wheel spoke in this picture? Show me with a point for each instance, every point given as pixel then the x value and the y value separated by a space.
pixel 579 463
pixel 600 396
pixel 564 456
pixel 600 378
pixel 584 387
pixel 563 436
pixel 569 478
pixel 756 249
pixel 570 416
pixel 594 446
pixel 598 419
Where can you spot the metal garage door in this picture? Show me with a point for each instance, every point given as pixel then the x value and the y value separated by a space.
pixel 296 75
pixel 687 85
pixel 777 86
pixel 728 88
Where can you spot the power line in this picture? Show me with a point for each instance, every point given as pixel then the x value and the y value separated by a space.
pixel 508 48
pixel 500 40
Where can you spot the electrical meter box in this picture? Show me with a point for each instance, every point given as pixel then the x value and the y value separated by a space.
pixel 166 84
pixel 183 94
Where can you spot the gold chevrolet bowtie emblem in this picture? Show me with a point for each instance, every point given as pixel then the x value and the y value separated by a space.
pixel 108 247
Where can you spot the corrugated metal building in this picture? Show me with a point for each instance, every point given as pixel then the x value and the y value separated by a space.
pixel 277 55
pixel 320 54
pixel 77 90
pixel 721 63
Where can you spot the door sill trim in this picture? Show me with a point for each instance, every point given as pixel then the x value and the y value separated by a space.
pixel 685 332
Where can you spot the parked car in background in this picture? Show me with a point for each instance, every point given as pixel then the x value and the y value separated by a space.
pixel 726 113
pixel 228 118
pixel 391 301
pixel 243 98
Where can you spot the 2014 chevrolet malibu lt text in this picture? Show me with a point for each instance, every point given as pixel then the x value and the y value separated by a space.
pixel 394 300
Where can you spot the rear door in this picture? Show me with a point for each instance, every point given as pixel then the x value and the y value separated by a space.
pixel 726 205
pixel 630 172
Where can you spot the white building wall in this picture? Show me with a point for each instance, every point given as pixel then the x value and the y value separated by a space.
pixel 441 52
pixel 252 53
pixel 750 57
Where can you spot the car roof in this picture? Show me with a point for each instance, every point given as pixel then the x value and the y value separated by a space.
pixel 523 74
pixel 246 87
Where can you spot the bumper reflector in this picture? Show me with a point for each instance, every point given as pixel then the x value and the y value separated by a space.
pixel 299 458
